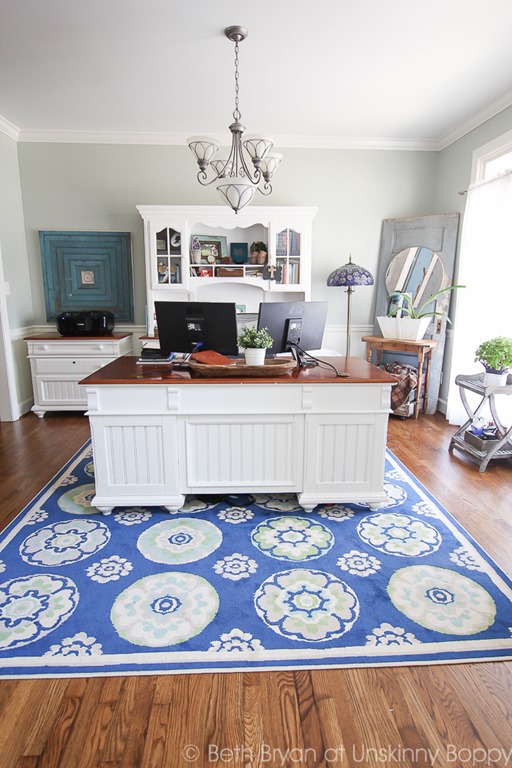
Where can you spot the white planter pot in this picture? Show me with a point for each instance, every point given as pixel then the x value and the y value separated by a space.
pixel 406 328
pixel 255 356
pixel 495 379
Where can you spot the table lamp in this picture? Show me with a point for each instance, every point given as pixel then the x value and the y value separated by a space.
pixel 349 275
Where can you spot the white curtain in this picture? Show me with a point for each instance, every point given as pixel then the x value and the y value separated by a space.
pixel 483 307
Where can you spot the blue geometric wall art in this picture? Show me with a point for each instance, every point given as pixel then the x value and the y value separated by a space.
pixel 87 270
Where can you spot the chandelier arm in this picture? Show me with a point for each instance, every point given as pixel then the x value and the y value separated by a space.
pixel 266 189
pixel 245 168
pixel 203 179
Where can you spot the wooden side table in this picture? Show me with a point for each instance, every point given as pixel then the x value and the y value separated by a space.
pixel 423 350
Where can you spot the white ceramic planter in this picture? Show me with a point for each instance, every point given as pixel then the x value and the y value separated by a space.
pixel 255 356
pixel 406 328
pixel 495 379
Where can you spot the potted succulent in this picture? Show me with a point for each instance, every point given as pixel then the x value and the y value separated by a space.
pixel 258 252
pixel 405 321
pixel 255 344
pixel 496 357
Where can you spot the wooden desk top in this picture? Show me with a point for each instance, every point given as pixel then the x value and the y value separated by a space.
pixel 422 343
pixel 127 370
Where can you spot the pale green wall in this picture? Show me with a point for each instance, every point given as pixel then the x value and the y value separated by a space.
pixel 12 236
pixel 96 187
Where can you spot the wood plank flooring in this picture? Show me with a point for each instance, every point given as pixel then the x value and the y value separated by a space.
pixel 448 716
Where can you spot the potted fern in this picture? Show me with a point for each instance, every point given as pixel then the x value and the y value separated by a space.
pixel 405 321
pixel 255 344
pixel 496 357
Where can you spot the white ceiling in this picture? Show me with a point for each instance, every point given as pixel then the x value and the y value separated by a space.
pixel 324 73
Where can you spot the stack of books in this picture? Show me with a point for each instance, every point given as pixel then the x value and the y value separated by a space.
pixel 152 356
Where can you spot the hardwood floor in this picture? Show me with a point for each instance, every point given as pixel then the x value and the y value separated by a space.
pixel 444 716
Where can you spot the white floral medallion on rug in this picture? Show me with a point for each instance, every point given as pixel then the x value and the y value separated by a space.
pixel 220 587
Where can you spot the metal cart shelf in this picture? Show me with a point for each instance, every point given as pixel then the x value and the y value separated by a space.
pixel 502 447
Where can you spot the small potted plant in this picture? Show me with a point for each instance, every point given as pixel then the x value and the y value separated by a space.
pixel 405 321
pixel 255 344
pixel 496 357
pixel 258 252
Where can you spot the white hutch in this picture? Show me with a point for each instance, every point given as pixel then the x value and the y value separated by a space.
pixel 171 275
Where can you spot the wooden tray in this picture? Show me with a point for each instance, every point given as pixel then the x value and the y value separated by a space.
pixel 239 369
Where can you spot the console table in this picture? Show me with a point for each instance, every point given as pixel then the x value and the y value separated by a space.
pixel 493 449
pixel 158 434
pixel 423 350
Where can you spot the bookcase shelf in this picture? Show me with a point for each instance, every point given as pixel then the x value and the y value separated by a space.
pixel 172 273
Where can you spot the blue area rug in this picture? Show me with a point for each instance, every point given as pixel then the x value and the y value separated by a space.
pixel 216 587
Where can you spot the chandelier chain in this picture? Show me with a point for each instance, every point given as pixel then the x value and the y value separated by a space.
pixel 236 113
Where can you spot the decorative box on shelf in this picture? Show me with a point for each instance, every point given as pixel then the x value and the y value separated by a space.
pixel 480 442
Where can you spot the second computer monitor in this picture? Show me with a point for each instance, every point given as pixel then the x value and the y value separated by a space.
pixel 293 322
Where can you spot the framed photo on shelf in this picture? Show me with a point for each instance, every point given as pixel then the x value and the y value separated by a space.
pixel 213 248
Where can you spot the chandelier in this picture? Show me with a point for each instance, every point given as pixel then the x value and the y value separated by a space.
pixel 236 181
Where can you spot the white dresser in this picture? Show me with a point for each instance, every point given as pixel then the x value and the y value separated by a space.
pixel 58 363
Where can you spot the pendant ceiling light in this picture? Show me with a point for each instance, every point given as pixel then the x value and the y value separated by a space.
pixel 236 181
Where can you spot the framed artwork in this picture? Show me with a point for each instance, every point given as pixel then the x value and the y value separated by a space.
pixel 213 249
pixel 87 271
pixel 239 253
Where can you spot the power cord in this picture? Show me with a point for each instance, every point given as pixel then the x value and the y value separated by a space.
pixel 295 349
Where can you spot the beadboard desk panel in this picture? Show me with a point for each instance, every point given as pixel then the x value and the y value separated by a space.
pixel 159 433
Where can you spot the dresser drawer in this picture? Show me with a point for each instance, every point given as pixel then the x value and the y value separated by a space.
pixel 74 349
pixel 73 366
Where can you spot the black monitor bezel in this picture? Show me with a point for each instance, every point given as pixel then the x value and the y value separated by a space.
pixel 275 315
pixel 220 327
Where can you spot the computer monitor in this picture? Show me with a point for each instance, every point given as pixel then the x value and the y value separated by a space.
pixel 293 322
pixel 184 324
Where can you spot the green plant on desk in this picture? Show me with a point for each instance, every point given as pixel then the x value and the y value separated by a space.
pixel 251 338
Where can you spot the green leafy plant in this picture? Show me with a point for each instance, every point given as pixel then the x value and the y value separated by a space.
pixel 251 338
pixel 416 313
pixel 495 354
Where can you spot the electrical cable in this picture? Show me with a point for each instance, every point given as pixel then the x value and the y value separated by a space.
pixel 319 362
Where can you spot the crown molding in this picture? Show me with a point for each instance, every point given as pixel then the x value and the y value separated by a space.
pixel 9 129
pixel 180 140
pixel 469 125
pixel 292 142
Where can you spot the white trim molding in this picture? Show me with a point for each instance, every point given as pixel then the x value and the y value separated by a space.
pixel 9 129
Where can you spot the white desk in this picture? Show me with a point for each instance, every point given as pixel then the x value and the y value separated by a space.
pixel 159 434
